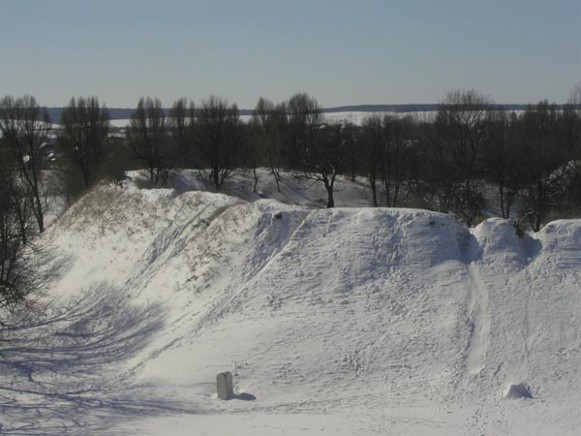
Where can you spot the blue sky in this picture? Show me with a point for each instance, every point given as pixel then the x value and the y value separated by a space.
pixel 341 51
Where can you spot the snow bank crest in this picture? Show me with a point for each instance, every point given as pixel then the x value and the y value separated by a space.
pixel 385 312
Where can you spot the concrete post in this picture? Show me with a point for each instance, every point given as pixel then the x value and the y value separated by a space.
pixel 224 385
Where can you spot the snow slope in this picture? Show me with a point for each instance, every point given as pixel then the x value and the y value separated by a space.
pixel 333 321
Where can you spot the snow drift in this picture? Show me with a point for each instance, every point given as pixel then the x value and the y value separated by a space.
pixel 332 321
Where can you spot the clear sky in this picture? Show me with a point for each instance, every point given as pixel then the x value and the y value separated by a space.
pixel 341 51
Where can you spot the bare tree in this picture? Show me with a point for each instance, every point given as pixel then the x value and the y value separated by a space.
pixel 326 157
pixel 85 126
pixel 575 99
pixel 148 138
pixel 305 118
pixel 397 140
pixel 182 128
pixel 463 117
pixel 372 144
pixel 25 128
pixel 318 150
pixel 502 159
pixel 17 277
pixel 461 132
pixel 440 177
pixel 351 134
pixel 386 146
pixel 571 132
pixel 545 164
pixel 220 138
pixel 271 133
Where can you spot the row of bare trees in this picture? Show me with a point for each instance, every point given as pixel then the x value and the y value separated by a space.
pixel 26 140
pixel 294 135
pixel 449 162
pixel 530 159
pixel 290 135
pixel 441 162
pixel 83 138
pixel 23 129
pixel 455 161
pixel 14 233
pixel 458 161
pixel 211 136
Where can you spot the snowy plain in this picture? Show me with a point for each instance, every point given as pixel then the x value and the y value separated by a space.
pixel 354 320
pixel 355 117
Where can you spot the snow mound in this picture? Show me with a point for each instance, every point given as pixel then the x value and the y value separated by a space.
pixel 347 320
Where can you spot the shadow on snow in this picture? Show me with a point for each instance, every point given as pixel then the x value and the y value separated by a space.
pixel 61 371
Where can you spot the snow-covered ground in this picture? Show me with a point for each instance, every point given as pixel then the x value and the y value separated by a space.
pixel 333 321
pixel 355 117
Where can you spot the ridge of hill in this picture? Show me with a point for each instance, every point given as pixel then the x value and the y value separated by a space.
pixel 332 321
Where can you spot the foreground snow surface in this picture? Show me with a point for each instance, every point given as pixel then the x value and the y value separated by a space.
pixel 344 321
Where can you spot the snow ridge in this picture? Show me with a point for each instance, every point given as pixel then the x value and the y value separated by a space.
pixel 350 321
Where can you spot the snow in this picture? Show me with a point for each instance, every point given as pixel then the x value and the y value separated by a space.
pixel 120 123
pixel 332 321
pixel 355 117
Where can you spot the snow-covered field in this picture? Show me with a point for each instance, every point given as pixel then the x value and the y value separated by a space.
pixel 333 321
pixel 355 117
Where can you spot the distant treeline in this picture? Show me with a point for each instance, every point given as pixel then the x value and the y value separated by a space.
pixel 468 156
pixel 55 113
pixel 471 156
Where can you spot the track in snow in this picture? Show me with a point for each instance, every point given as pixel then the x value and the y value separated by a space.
pixel 223 301
pixel 479 340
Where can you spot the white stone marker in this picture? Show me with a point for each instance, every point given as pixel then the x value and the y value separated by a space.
pixel 224 383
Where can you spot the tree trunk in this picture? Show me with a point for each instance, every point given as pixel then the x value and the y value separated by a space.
pixel 373 190
pixel 255 175
pixel 329 188
pixel 276 176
